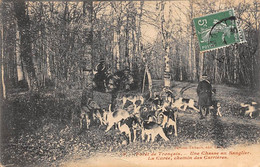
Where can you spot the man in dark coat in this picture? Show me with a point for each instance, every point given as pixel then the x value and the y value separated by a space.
pixel 100 77
pixel 204 92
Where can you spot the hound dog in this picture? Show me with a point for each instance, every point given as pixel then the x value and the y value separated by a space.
pixel 86 112
pixel 123 128
pixel 152 129
pixel 130 126
pixel 184 103
pixel 156 102
pixel 132 99
pixel 115 117
pixel 168 118
pixel 215 108
pixel 248 109
pixel 99 115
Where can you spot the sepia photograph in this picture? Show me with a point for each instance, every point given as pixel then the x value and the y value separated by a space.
pixel 140 83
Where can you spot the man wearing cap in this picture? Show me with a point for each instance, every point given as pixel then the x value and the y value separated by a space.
pixel 204 92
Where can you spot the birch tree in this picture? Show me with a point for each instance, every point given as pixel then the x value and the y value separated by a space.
pixel 3 86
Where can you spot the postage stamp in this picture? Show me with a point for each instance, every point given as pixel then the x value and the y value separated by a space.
pixel 218 30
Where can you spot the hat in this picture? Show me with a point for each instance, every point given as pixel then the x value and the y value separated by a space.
pixel 101 65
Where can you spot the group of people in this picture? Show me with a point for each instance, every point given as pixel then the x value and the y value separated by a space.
pixel 121 80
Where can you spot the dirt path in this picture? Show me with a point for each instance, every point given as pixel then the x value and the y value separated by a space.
pixel 222 131
pixel 225 119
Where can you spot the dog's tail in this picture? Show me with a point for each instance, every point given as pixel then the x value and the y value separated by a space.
pixel 109 108
pixel 244 105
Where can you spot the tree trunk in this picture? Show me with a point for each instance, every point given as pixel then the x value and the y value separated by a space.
pixel 131 50
pixel 139 47
pixel 127 61
pixel 180 66
pixel 194 67
pixel 116 48
pixel 216 73
pixel 3 86
pixel 257 55
pixel 235 66
pixel 18 58
pixel 165 42
pixel 201 65
pixel 190 60
pixel 191 46
pixel 223 76
pixel 88 73
pixel 26 50
pixel 48 66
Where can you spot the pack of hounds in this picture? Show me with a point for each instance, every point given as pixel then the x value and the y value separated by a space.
pixel 144 119
pixel 133 115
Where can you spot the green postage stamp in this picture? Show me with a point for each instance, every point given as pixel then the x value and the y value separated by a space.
pixel 218 30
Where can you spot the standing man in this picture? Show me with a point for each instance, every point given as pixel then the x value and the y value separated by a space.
pixel 204 92
pixel 100 76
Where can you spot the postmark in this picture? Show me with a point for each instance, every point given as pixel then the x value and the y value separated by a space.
pixel 218 30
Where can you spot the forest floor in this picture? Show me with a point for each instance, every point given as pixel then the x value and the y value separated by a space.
pixel 40 130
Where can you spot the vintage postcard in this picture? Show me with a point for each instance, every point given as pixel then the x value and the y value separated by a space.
pixel 130 83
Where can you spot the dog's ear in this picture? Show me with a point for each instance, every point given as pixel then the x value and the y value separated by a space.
pixel 142 100
pixel 137 109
